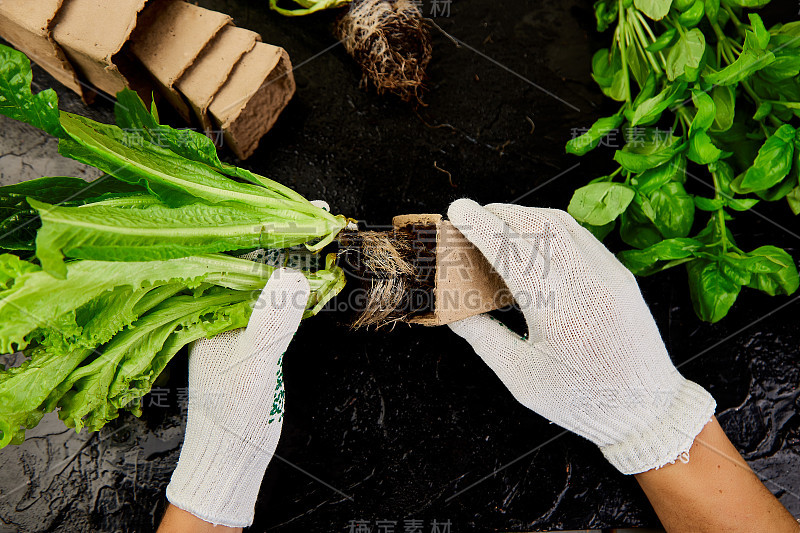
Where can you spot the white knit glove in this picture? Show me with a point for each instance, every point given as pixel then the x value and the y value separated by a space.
pixel 593 361
pixel 236 407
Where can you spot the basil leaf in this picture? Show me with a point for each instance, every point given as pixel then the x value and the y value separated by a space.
pixel 650 153
pixel 739 141
pixel 647 91
pixel 600 203
pixel 757 263
pixel 784 280
pixel 786 66
pixel 763 111
pixel 779 191
pixel 702 150
pixel 709 204
pixel 686 56
pixel 692 16
pixel 725 106
pixel 639 66
pixel 794 200
pixel 760 31
pixel 741 204
pixel 603 68
pixel 646 262
pixel 663 41
pixel 606 13
pixel 655 9
pixel 733 271
pixel 636 229
pixel 589 140
pixel 724 174
pixel 751 60
pixel 653 179
pixel 712 10
pixel 673 210
pixel 772 164
pixel 607 72
pixel 790 28
pixel 648 141
pixel 617 89
pixel 706 111
pixel 641 162
pixel 713 294
pixel 650 110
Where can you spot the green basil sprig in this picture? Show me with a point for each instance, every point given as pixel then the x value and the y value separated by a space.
pixel 707 92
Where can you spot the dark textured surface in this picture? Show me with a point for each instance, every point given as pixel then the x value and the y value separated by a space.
pixel 401 420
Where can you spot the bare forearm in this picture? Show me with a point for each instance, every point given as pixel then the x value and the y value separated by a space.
pixel 715 491
pixel 176 520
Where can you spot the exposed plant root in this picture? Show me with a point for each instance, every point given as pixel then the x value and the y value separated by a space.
pixel 389 39
pixel 385 261
pixel 386 255
pixel 385 296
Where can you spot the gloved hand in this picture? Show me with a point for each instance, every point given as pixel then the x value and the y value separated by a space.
pixel 593 361
pixel 236 407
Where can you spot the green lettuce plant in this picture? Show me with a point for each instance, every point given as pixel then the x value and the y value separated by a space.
pixel 102 283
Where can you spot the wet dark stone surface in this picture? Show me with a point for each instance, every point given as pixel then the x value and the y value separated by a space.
pixel 400 421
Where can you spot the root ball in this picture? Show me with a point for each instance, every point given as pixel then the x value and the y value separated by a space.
pixel 390 41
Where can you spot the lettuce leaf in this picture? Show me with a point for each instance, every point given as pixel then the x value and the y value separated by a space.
pixel 132 116
pixel 158 232
pixel 94 392
pixel 174 179
pixel 99 338
pixel 19 221
pixel 16 99
pixel 89 386
pixel 35 301
pixel 179 167
pixel 24 389
pixel 123 276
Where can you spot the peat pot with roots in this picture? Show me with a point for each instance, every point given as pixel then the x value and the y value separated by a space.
pixel 396 270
